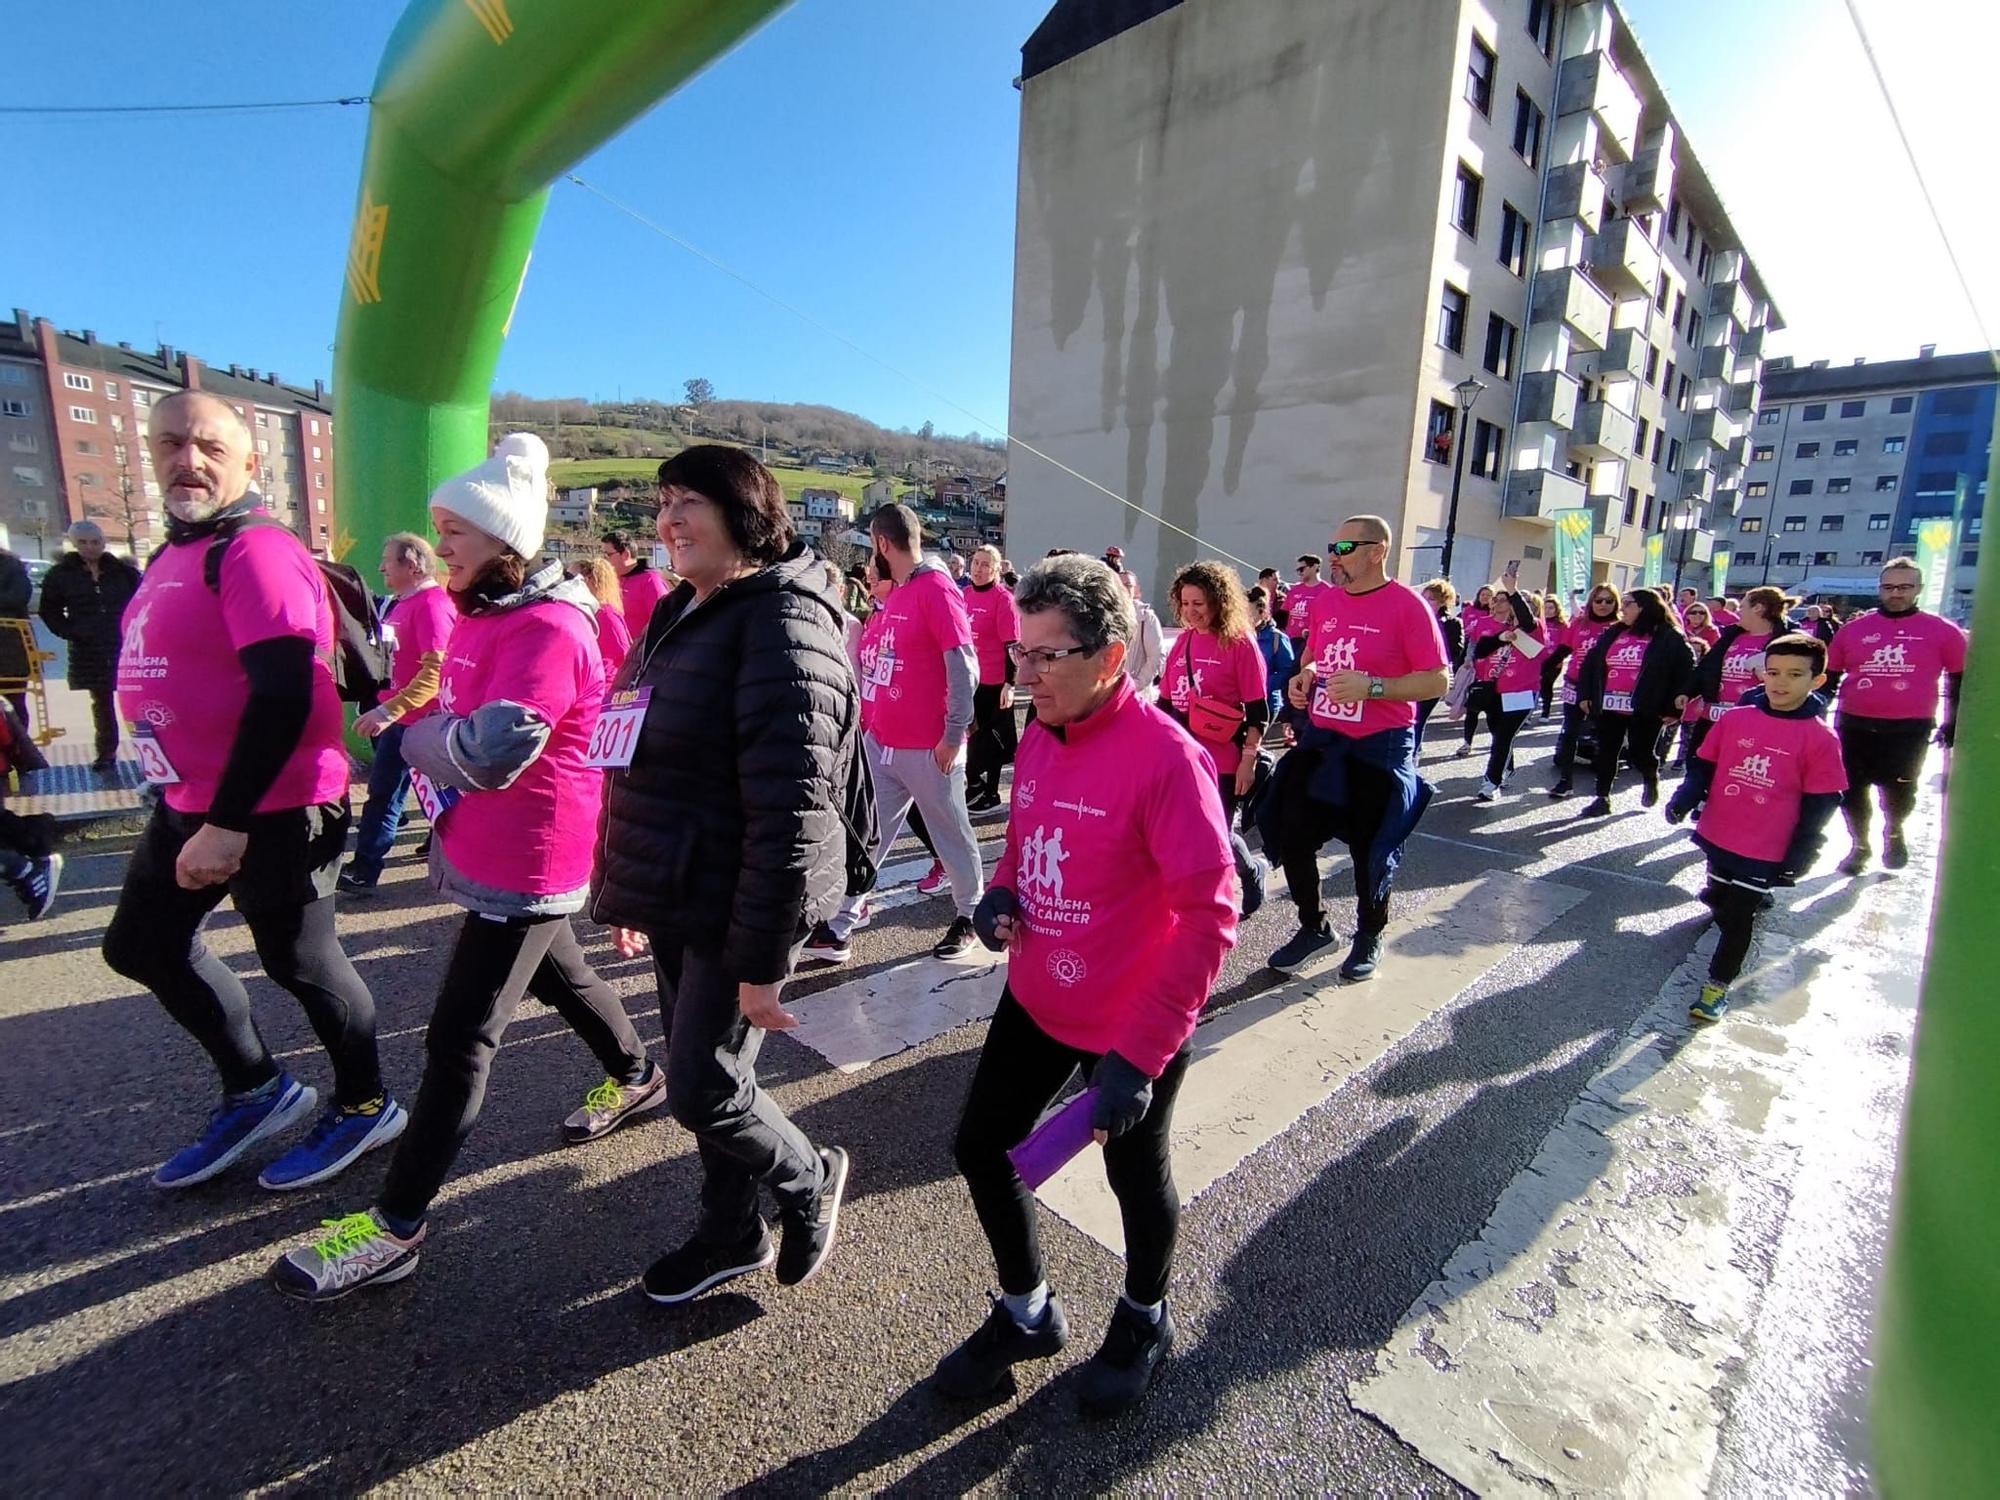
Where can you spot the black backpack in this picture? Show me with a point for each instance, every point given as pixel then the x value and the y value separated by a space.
pixel 360 655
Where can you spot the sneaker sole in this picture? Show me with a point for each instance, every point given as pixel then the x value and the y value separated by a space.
pixel 282 1118
pixel 396 1272
pixel 396 1120
pixel 832 1227
pixel 1293 965
pixel 646 1102
pixel 769 1258
pixel 826 956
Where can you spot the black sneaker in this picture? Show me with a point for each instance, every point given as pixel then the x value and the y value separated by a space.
pixel 1117 1375
pixel 985 802
pixel 1309 941
pixel 691 1270
pixel 1596 807
pixel 808 1238
pixel 1895 853
pixel 824 947
pixel 1363 958
pixel 957 940
pixel 1650 795
pixel 1561 789
pixel 424 849
pixel 37 889
pixel 1856 863
pixel 978 1366
pixel 353 885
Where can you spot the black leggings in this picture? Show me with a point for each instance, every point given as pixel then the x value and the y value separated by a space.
pixel 1308 823
pixel 284 892
pixel 1885 753
pixel 1735 908
pixel 1569 739
pixel 1021 1071
pixel 991 745
pixel 1505 725
pixel 493 964
pixel 1613 731
pixel 1481 698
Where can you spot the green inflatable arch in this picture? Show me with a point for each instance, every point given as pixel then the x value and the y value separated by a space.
pixel 480 104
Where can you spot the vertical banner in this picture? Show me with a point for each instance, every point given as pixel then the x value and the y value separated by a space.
pixel 1574 528
pixel 1937 551
pixel 1718 567
pixel 1656 551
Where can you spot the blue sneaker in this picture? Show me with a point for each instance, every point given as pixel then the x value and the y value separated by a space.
pixel 234 1127
pixel 341 1138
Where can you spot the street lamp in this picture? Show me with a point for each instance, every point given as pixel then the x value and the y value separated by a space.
pixel 1467 391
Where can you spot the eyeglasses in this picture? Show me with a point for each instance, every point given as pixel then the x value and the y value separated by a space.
pixel 1039 658
pixel 1347 549
pixel 1899 588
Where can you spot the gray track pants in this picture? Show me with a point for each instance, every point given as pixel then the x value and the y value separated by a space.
pixel 903 777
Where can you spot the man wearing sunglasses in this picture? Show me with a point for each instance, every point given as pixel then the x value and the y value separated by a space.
pixel 1299 597
pixel 1886 664
pixel 1373 653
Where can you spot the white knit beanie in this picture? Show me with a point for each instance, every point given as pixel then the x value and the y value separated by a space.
pixel 507 497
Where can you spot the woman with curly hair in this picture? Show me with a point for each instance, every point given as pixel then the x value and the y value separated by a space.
pixel 1213 681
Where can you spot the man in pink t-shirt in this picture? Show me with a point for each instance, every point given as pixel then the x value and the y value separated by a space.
pixel 1887 664
pixel 1299 597
pixel 1374 653
pixel 640 584
pixel 917 696
pixel 226 677
pixel 1115 901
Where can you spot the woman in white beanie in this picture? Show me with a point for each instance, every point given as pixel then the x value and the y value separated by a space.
pixel 515 804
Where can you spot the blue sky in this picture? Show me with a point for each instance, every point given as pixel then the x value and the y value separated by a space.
pixel 857 157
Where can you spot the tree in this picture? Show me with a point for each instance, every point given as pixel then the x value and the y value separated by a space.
pixel 699 392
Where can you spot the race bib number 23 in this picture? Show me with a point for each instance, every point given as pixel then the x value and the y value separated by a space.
pixel 153 762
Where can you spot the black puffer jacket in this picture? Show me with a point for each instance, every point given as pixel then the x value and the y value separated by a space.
pixel 725 830
pixel 1666 673
pixel 86 612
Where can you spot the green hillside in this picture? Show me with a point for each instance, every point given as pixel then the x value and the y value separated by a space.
pixel 578 473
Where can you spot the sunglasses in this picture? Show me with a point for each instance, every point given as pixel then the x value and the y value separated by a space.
pixel 1346 549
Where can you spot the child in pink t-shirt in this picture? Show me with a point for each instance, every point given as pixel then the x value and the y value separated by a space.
pixel 1766 780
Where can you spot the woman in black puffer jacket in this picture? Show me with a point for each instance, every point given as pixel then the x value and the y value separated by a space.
pixel 722 843
pixel 1637 677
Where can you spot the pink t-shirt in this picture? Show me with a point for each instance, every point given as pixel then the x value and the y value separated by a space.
pixel 1580 635
pixel 536 836
pixel 1892 663
pixel 866 659
pixel 1226 671
pixel 995 622
pixel 178 674
pixel 640 590
pixel 921 620
pixel 1621 671
pixel 1299 601
pixel 614 641
pixel 1764 765
pixel 1741 664
pixel 1386 632
pixel 1516 672
pixel 1724 618
pixel 422 624
pixel 1122 806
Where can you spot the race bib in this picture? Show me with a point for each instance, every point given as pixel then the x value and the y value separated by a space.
pixel 1717 710
pixel 617 733
pixel 1618 703
pixel 1521 702
pixel 1568 692
pixel 431 797
pixel 1324 707
pixel 153 762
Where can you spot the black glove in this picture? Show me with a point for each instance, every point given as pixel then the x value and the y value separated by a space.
pixel 1124 1094
pixel 1946 733
pixel 998 902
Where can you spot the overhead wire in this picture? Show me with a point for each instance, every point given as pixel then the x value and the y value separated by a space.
pixel 248 107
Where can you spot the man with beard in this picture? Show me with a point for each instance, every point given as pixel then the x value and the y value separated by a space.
pixel 226 677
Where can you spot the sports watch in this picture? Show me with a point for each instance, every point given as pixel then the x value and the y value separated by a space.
pixel 1376 688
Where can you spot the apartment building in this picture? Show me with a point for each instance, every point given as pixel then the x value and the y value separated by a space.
pixel 1261 244
pixel 73 414
pixel 1845 460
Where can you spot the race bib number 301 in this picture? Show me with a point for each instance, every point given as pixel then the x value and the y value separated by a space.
pixel 617 733
pixel 431 797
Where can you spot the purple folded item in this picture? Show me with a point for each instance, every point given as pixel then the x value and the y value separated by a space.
pixel 1051 1144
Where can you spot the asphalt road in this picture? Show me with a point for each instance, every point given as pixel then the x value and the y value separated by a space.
pixel 141 1348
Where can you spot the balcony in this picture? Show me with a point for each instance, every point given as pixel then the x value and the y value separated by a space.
pixel 1624 355
pixel 1537 494
pixel 1591 81
pixel 1697 486
pixel 1567 296
pixel 1731 300
pixel 1727 498
pixel 1602 431
pixel 1741 399
pixel 1575 191
pixel 1750 348
pixel 1701 548
pixel 1712 427
pixel 1717 363
pixel 1549 396
pixel 1607 515
pixel 1622 260
pixel 1649 180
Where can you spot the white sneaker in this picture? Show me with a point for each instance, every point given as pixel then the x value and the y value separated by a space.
pixel 1488 792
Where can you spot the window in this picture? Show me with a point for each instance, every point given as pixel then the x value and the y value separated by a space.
pixel 13 374
pixel 1680 309
pixel 1674 454
pixel 1485 456
pixel 1645 431
pixel 1750 523
pixel 1826 559
pixel 1969 558
pixel 1763 453
pixel 1853 408
pixel 1893 444
pixel 1500 340
pixel 1667 380
pixel 1884 483
pixel 1832 523
pixel 1871 559
pixel 1660 293
pixel 1788 559
pixel 1845 448
pixel 1839 486
pixel 83 414
pixel 76 382
pixel 1479 71
pixel 1690 239
pixel 313 426
pixel 1898 405
pixel 1542 25
pixel 1528 122
pixel 1465 201
pixel 24 442
pixel 1437 432
pixel 1757 489
pixel 117 422
pixel 1646 519
pixel 1878 522
pixel 1701 265
pixel 87 481
pixel 1814 413
pixel 1795 523
pixel 14 408
pixel 1631 504
pixel 119 454
pixel 1452 310
pixel 1944 442
pixel 1513 239
pixel 1652 365
pixel 1770 416
pixel 1673 218
pixel 263 419
pixel 87 448
pixel 141 397
pixel 315 454
pixel 1746 557
pixel 1681 394
pixel 1954 403
pixel 1694 328
pixel 319 481
pixel 1936 481
pixel 1806 450
pixel 1800 487
pixel 263 445
pixel 23 474
pixel 1659 443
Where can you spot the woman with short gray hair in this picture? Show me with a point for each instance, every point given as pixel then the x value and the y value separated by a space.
pixel 83 604
pixel 1116 900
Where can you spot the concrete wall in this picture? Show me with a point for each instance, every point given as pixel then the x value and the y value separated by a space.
pixel 1223 267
